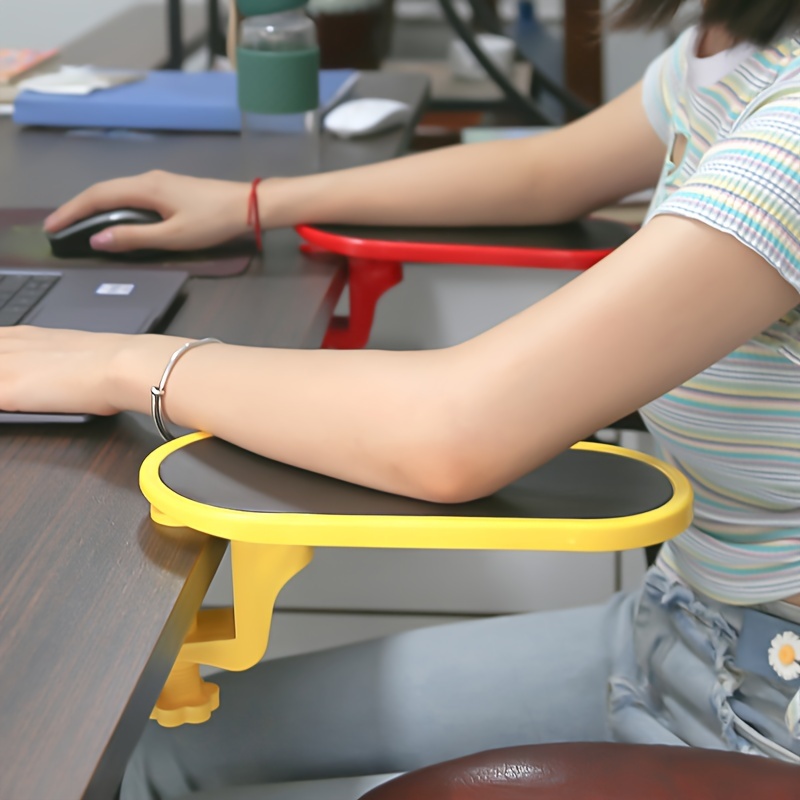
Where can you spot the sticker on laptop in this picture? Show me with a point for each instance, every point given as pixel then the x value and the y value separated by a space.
pixel 123 289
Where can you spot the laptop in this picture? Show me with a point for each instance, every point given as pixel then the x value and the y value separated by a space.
pixel 110 300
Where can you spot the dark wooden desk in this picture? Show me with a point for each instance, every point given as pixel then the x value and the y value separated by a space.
pixel 94 598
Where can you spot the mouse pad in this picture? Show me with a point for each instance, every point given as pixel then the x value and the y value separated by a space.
pixel 23 244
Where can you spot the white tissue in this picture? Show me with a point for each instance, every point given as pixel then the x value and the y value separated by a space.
pixel 77 80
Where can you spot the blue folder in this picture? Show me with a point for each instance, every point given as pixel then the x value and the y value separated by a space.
pixel 163 100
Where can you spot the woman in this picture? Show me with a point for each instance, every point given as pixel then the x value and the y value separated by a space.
pixel 695 319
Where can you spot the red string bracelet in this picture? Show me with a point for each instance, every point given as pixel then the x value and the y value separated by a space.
pixel 253 217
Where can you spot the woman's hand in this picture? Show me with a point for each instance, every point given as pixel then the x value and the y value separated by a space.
pixel 197 212
pixel 64 371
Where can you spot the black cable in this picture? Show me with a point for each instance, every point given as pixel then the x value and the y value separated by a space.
pixel 486 15
pixel 521 102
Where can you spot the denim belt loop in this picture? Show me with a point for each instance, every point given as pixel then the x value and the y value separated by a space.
pixel 792 716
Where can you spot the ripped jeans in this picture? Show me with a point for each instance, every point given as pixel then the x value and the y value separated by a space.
pixel 686 679
pixel 658 665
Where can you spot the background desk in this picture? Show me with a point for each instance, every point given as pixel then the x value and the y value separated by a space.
pixel 94 598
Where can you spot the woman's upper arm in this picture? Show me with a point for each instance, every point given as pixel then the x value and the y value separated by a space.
pixel 719 263
pixel 601 157
pixel 677 297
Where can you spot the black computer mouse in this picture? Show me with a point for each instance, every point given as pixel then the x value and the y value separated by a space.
pixel 73 241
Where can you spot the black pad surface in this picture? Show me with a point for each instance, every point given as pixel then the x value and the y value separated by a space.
pixel 585 234
pixel 577 484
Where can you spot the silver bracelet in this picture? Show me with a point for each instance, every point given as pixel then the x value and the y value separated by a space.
pixel 157 392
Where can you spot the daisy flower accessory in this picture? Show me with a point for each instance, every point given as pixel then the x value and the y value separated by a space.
pixel 784 655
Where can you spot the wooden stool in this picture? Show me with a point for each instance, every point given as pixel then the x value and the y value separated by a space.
pixel 597 771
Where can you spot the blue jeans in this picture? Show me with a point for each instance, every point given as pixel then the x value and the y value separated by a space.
pixel 654 666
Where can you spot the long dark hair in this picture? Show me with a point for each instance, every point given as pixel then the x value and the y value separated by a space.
pixel 757 21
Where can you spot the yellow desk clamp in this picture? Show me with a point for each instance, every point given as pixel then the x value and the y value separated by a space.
pixel 274 514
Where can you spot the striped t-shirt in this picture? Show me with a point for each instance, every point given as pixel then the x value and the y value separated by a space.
pixel 734 429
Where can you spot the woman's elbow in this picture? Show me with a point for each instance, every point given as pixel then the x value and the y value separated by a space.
pixel 448 454
pixel 449 473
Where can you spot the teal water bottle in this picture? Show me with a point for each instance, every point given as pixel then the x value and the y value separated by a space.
pixel 277 64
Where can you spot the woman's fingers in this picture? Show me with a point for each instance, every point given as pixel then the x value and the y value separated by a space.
pixel 139 191
pixel 121 238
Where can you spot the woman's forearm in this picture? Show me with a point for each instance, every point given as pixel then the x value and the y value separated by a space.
pixel 546 179
pixel 393 433
pixel 492 183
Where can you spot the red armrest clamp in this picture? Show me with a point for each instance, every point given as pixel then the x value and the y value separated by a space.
pixel 368 280
pixel 375 260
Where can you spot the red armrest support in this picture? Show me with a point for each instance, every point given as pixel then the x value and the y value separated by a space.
pixel 375 257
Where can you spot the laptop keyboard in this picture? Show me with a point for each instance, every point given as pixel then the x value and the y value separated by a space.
pixel 19 293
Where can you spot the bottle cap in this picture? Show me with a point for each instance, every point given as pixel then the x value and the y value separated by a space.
pixel 254 8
